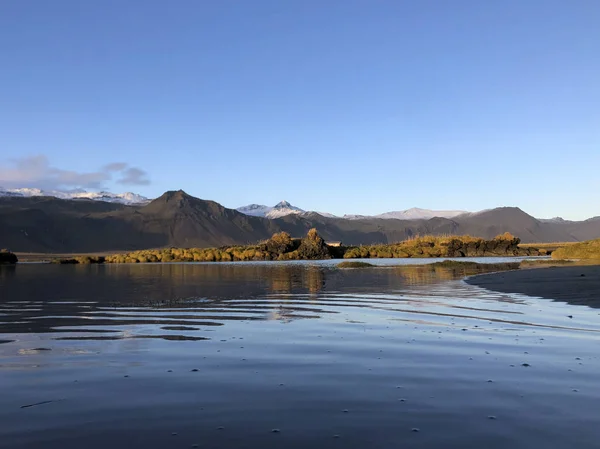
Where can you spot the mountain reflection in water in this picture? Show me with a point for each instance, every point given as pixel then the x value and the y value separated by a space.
pixel 86 301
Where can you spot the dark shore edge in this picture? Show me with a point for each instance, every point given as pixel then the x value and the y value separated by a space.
pixel 578 284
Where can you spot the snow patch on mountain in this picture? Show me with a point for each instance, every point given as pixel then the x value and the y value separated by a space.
pixel 410 214
pixel 128 198
pixel 285 208
pixel 553 220
pixel 255 210
pixel 323 214
pixel 281 209
pixel 356 217
pixel 420 214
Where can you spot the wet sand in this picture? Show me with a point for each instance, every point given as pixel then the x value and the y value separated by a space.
pixel 574 285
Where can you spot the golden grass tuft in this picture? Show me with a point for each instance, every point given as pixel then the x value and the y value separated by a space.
pixel 589 249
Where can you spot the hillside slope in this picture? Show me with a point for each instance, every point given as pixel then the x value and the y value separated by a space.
pixel 512 219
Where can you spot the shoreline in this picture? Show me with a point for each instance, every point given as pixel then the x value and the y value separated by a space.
pixel 579 284
pixel 69 259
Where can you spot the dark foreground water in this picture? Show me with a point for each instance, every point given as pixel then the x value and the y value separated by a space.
pixel 289 356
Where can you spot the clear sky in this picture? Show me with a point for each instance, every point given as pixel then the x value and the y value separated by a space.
pixel 339 106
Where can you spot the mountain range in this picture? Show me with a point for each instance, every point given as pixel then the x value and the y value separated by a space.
pixel 123 198
pixel 284 208
pixel 281 209
pixel 54 225
pixel 256 210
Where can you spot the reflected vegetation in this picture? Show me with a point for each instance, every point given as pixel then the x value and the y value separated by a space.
pixel 111 302
pixel 439 272
pixel 187 301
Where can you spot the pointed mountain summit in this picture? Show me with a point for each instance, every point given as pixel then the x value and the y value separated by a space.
pixel 191 221
pixel 282 209
pixel 171 197
pixel 178 202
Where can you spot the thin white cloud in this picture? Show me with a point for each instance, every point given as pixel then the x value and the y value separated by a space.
pixel 134 176
pixel 36 172
pixel 115 166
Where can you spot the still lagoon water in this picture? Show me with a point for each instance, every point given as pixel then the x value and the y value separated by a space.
pixel 296 355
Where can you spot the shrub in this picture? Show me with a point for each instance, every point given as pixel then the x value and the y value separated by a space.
pixel 443 246
pixel 280 243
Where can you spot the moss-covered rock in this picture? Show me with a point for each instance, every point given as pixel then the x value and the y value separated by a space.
pixel 353 264
pixel 313 247
pixel 279 244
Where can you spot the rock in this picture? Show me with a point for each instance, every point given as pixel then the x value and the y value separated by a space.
pixel 8 258
pixel 313 247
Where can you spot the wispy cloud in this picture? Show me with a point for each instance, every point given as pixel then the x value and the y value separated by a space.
pixel 37 172
pixel 133 176
pixel 115 166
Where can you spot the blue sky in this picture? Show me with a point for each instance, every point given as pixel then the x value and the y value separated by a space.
pixel 338 106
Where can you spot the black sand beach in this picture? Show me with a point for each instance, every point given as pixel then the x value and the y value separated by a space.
pixel 574 285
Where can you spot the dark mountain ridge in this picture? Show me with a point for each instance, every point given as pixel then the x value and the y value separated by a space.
pixel 46 224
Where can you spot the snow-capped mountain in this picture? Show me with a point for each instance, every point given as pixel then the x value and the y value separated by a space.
pixel 323 214
pixel 419 214
pixel 356 217
pixel 553 220
pixel 284 208
pixel 410 214
pixel 255 210
pixel 281 209
pixel 123 198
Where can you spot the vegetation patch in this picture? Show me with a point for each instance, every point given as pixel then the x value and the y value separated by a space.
pixel 589 249
pixel 474 266
pixel 281 246
pixel 546 263
pixel 444 246
pixel 80 260
pixel 454 264
pixel 7 258
pixel 354 264
pixel 546 249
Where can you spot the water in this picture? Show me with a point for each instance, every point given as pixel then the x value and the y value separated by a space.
pixel 289 355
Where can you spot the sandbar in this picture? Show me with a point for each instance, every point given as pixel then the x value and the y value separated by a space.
pixel 575 284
